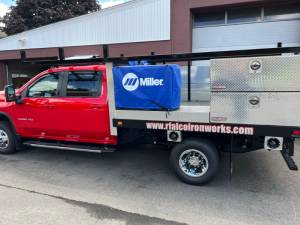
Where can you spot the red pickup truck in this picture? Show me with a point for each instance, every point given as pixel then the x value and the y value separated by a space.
pixel 73 108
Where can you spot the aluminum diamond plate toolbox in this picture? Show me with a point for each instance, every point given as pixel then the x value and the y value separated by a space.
pixel 272 73
pixel 280 109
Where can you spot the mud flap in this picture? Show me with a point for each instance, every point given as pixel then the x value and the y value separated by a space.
pixel 287 153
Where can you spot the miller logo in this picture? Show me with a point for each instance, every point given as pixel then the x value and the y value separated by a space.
pixel 131 82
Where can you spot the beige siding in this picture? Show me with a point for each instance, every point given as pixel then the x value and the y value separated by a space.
pixel 135 21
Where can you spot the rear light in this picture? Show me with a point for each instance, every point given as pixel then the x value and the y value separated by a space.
pixel 296 133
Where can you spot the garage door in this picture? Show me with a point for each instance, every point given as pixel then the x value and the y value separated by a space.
pixel 248 28
pixel 239 29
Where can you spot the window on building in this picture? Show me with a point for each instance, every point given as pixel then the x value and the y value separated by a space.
pixel 246 15
pixel 209 19
pixel 282 12
pixel 45 87
pixel 84 84
pixel 19 79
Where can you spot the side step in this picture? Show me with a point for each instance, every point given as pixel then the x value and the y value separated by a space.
pixel 70 147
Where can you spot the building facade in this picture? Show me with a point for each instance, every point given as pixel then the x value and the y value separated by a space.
pixel 144 27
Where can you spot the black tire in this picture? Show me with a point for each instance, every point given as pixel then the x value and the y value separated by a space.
pixel 5 129
pixel 203 148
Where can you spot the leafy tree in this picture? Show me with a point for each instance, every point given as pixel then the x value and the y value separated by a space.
pixel 29 14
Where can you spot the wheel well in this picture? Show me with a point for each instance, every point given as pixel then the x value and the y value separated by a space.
pixel 227 143
pixel 4 117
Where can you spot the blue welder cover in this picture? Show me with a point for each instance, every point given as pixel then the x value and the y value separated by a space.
pixel 150 87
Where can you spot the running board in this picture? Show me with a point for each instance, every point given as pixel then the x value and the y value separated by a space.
pixel 70 147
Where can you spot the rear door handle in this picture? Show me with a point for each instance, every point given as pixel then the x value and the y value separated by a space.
pixel 50 106
pixel 95 106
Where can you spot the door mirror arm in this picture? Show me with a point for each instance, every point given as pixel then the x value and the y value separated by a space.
pixel 19 100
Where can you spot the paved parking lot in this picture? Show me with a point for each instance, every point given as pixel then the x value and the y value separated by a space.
pixel 135 186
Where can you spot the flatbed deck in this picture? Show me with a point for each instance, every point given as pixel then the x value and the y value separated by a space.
pixel 195 112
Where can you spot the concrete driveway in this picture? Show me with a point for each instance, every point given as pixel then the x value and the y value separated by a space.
pixel 135 186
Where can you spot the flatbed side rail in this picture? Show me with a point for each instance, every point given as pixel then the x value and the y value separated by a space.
pixel 61 60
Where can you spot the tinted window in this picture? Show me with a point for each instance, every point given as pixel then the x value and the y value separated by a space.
pixel 282 12
pixel 45 87
pixel 209 19
pixel 84 84
pixel 244 15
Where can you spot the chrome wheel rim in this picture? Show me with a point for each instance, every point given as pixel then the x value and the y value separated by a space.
pixel 4 140
pixel 193 163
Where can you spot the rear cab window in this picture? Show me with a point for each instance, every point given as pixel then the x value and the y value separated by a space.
pixel 83 84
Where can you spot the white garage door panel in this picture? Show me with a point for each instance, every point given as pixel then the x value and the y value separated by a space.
pixel 246 36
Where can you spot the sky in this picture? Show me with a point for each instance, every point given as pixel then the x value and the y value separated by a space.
pixel 4 4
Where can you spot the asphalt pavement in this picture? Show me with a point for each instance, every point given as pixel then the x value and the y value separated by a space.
pixel 135 186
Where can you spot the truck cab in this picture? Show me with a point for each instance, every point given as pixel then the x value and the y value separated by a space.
pixel 62 104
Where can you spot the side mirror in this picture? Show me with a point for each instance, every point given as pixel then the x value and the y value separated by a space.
pixel 10 94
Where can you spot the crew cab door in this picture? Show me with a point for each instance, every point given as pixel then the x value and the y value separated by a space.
pixel 34 116
pixel 82 112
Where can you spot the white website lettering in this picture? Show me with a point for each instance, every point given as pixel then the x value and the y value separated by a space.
pixel 201 128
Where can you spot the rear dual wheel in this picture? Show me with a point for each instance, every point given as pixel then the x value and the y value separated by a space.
pixel 195 161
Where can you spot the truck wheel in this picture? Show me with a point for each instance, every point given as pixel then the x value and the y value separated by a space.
pixel 195 161
pixel 7 139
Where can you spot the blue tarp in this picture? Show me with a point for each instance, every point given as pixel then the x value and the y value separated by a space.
pixel 150 87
